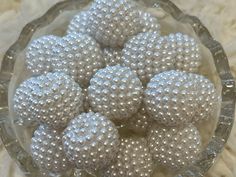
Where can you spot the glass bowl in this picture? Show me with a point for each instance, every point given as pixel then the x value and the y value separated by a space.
pixel 215 66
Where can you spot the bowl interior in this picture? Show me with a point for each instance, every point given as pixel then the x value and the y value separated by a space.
pixel 171 22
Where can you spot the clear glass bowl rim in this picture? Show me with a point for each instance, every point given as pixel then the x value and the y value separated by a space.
pixel 226 118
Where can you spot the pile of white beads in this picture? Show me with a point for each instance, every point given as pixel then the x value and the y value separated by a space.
pixel 113 97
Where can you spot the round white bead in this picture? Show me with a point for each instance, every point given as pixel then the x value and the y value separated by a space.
pixel 79 23
pixel 149 22
pixel 133 159
pixel 170 98
pixel 80 57
pixel 207 98
pixel 91 141
pixel 176 98
pixel 41 53
pixel 148 54
pixel 110 22
pixel 52 98
pixel 116 92
pixel 188 55
pixel 47 151
pixel 174 148
pixel 22 103
pixel 112 56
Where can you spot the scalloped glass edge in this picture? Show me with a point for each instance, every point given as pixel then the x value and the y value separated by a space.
pixel 226 118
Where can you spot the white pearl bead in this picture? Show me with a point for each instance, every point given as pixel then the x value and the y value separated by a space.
pixel 110 22
pixel 116 92
pixel 80 57
pixel 133 160
pixel 41 53
pixel 149 22
pixel 207 97
pixel 174 148
pixel 176 98
pixel 47 151
pixel 53 99
pixel 91 141
pixel 188 55
pixel 148 54
pixel 79 23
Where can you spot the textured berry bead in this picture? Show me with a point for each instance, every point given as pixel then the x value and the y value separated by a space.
pixel 112 56
pixel 174 148
pixel 47 150
pixel 79 23
pixel 207 98
pixel 170 98
pixel 116 92
pixel 80 58
pixel 40 54
pixel 133 160
pixel 140 121
pixel 110 22
pixel 188 56
pixel 149 22
pixel 175 98
pixel 148 54
pixel 22 103
pixel 52 98
pixel 91 141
